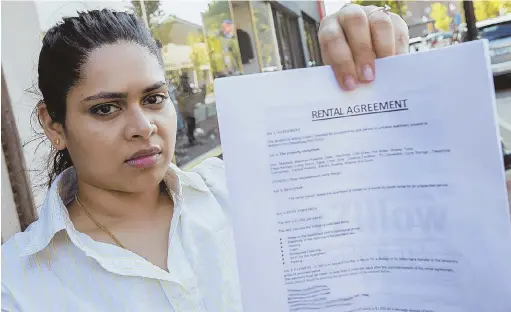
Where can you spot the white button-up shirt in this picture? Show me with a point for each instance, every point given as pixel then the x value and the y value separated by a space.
pixel 53 267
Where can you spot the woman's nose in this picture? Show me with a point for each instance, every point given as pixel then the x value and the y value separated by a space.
pixel 139 126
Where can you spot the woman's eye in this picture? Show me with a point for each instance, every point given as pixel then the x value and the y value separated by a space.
pixel 155 99
pixel 104 109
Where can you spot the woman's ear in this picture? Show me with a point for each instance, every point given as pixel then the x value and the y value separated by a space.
pixel 53 130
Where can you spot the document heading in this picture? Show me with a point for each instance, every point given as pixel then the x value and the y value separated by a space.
pixel 360 109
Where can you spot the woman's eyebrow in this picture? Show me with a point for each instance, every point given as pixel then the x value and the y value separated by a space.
pixel 106 95
pixel 154 86
pixel 121 95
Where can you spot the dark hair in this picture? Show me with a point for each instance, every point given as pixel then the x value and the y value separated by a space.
pixel 66 48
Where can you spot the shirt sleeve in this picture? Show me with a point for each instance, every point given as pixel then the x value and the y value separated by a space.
pixel 212 170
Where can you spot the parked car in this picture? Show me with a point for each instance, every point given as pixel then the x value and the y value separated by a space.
pixel 439 39
pixel 460 35
pixel 417 44
pixel 498 33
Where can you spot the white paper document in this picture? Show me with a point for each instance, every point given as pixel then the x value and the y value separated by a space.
pixel 388 198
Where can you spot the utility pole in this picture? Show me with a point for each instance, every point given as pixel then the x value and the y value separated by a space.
pixel 470 18
pixel 144 14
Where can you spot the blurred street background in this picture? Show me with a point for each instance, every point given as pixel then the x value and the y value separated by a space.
pixel 202 40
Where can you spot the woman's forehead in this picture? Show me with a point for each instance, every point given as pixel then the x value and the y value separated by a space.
pixel 120 66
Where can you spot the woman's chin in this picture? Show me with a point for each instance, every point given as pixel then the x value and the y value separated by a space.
pixel 148 178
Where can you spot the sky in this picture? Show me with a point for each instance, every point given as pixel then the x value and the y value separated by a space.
pixel 50 12
pixel 188 10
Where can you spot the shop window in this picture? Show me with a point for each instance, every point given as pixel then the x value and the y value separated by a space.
pixel 221 39
pixel 246 35
pixel 311 35
pixel 288 37
pixel 262 20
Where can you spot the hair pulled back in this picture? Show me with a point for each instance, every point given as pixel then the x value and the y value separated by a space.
pixel 66 48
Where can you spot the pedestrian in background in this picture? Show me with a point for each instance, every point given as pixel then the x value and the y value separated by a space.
pixel 188 100
pixel 174 98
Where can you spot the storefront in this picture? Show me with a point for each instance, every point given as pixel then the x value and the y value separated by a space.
pixel 239 38
pixel 202 40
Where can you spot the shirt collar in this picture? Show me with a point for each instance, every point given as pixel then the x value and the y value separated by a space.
pixel 54 217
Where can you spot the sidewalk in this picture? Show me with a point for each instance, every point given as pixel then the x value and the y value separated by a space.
pixel 208 138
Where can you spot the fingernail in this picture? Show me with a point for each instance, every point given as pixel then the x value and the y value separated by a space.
pixel 350 83
pixel 367 73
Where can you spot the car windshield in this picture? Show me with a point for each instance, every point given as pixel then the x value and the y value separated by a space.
pixel 495 32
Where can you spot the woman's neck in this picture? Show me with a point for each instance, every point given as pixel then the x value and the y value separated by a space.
pixel 118 206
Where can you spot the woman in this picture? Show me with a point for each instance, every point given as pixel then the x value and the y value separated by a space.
pixel 122 229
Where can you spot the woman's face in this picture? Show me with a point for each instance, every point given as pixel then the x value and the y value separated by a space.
pixel 120 122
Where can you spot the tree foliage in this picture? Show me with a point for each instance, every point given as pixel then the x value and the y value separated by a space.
pixel 152 9
pixel 198 54
pixel 490 8
pixel 160 30
pixel 440 13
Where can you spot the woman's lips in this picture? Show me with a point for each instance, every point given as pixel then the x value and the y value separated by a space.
pixel 144 161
